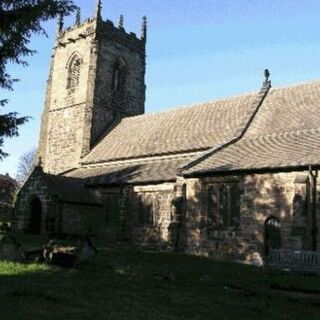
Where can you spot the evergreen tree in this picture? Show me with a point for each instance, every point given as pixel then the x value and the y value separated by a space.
pixel 19 20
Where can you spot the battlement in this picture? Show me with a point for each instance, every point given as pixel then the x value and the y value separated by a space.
pixel 108 31
pixel 97 27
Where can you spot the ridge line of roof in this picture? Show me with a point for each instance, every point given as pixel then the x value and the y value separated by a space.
pixel 281 164
pixel 294 85
pixel 197 104
pixel 276 134
pixel 221 99
pixel 240 131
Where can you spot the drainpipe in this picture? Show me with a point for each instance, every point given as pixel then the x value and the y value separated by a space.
pixel 314 176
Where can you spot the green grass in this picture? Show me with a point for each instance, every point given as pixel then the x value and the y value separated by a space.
pixel 125 283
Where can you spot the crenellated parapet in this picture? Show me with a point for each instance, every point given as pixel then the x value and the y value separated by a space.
pixel 95 25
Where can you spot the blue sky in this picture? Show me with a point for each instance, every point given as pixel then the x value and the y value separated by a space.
pixel 196 51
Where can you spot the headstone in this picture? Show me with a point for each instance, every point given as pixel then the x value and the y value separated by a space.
pixel 10 248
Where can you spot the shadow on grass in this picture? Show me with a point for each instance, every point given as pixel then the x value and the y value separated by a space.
pixel 125 283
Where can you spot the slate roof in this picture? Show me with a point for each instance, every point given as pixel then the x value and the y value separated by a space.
pixel 250 132
pixel 284 133
pixel 279 150
pixel 147 171
pixel 288 109
pixel 187 129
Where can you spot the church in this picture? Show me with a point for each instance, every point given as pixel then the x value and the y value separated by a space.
pixel 234 178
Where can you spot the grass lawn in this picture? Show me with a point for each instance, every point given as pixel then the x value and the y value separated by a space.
pixel 125 283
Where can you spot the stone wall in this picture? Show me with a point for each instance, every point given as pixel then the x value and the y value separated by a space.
pixel 58 213
pixel 75 117
pixel 261 196
pixel 110 50
pixel 65 130
pixel 82 219
pixel 34 188
pixel 190 215
pixel 63 136
pixel 151 213
pixel 139 214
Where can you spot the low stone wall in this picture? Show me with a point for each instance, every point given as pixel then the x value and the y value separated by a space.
pixel 298 261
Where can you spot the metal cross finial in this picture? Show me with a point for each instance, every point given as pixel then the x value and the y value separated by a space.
pixel 267 82
pixel 121 21
pixel 144 28
pixel 78 17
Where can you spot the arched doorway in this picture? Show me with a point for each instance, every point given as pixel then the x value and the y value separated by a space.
pixel 272 234
pixel 35 216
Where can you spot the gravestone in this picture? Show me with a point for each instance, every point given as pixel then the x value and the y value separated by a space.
pixel 10 248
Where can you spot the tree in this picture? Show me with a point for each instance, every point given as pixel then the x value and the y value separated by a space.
pixel 27 163
pixel 19 20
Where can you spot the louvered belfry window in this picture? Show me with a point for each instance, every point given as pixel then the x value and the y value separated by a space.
pixel 74 73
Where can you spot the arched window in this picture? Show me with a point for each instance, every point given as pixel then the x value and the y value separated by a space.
pixel 74 72
pixel 119 78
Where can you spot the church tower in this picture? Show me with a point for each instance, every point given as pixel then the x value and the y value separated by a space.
pixel 97 76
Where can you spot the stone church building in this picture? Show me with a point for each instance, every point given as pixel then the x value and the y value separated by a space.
pixel 233 178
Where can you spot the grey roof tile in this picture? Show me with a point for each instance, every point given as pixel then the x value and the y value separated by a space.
pixel 154 170
pixel 197 127
pixel 284 133
pixel 279 150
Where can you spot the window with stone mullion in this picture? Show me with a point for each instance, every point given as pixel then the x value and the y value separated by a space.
pixel 224 205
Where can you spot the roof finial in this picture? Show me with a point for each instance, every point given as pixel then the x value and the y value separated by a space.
pixel 60 23
pixel 78 17
pixel 121 21
pixel 267 82
pixel 97 12
pixel 144 28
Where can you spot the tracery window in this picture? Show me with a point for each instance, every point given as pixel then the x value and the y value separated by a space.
pixel 224 205
pixel 74 72
pixel 119 79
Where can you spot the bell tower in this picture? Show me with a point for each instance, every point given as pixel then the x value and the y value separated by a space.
pixel 97 75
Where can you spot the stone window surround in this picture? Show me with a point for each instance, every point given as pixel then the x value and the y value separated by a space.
pixel 74 70
pixel 228 211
